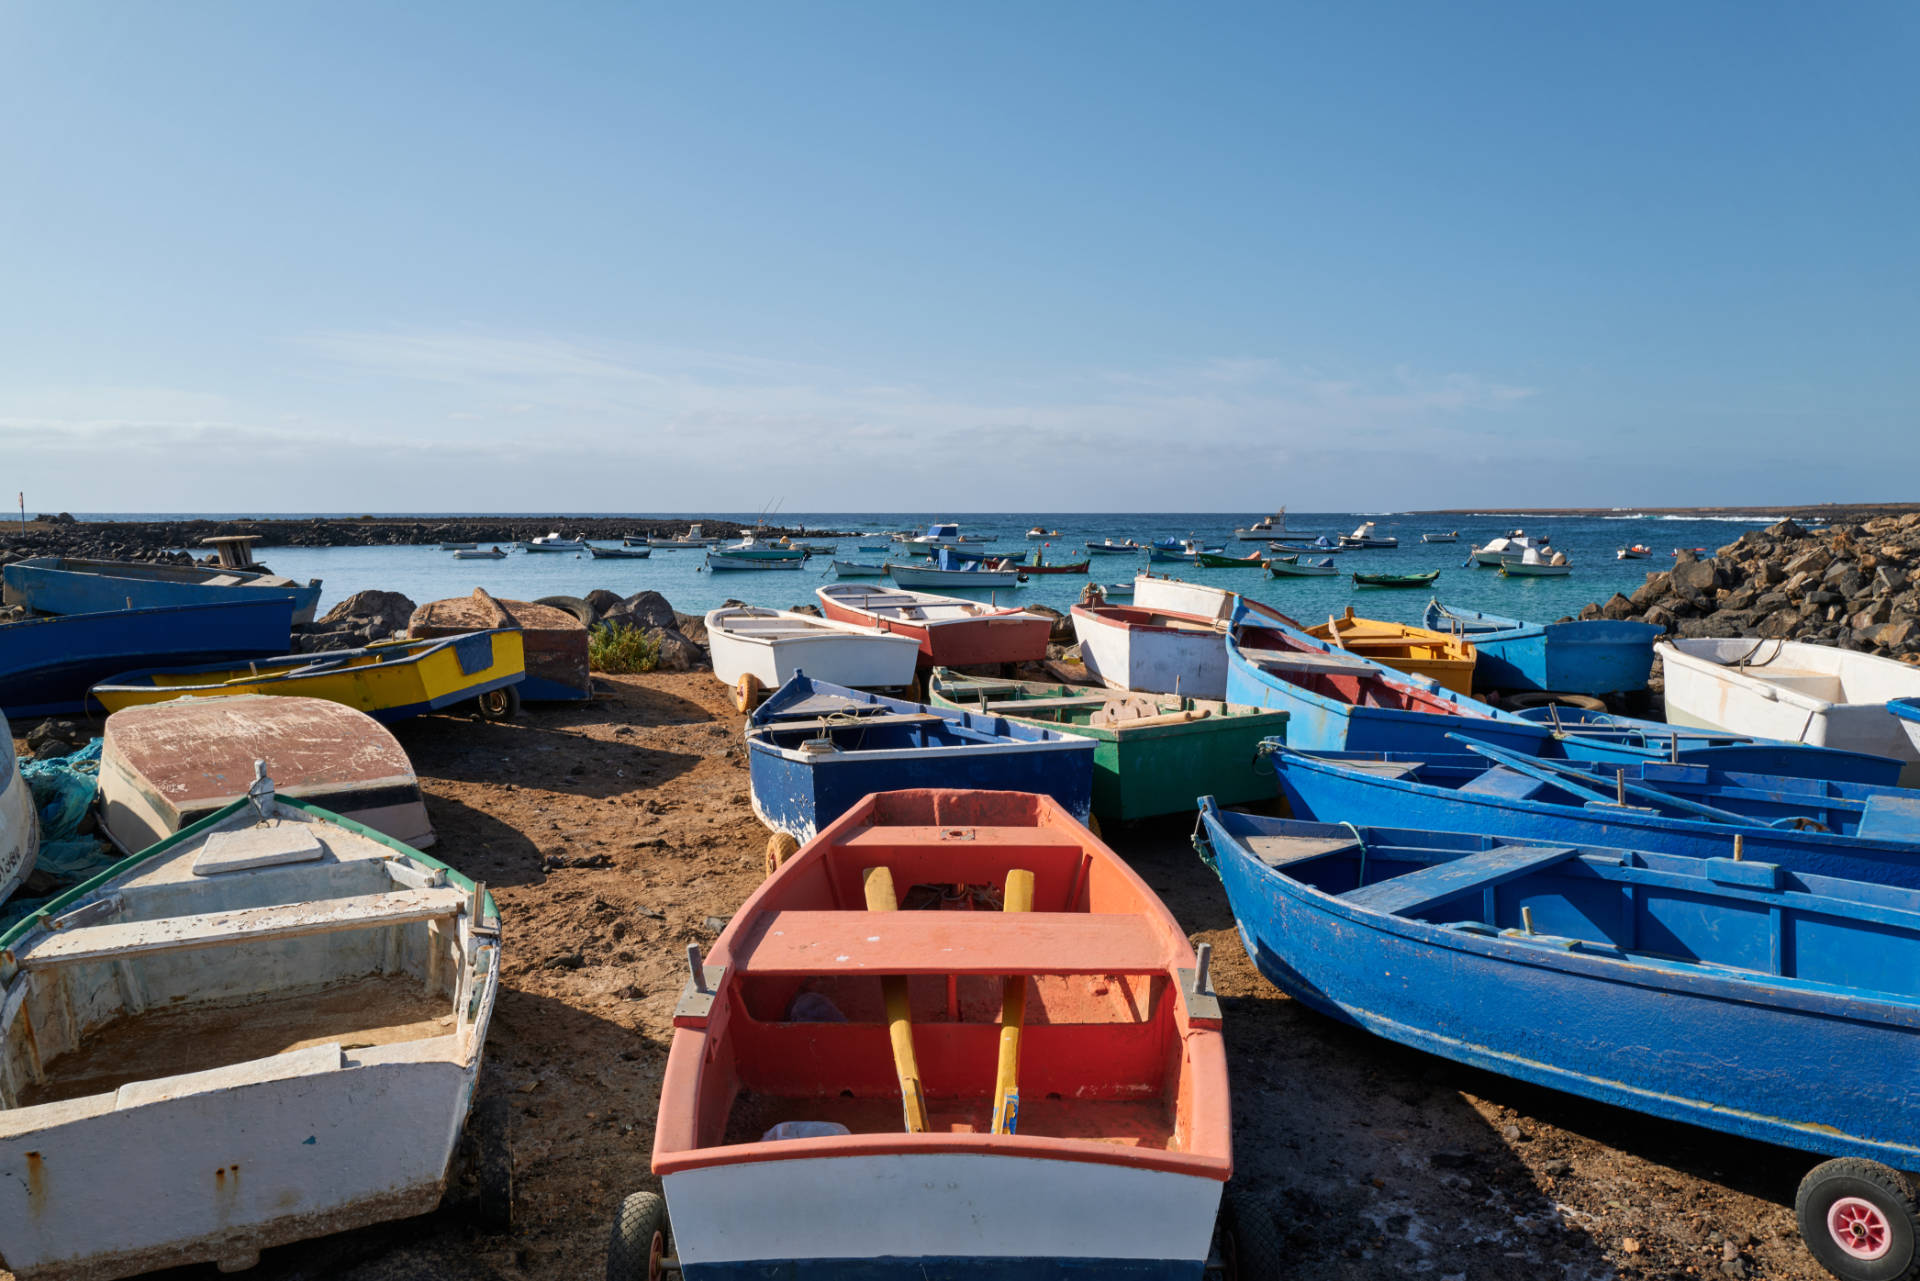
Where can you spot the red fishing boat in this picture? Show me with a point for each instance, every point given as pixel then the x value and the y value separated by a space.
pixel 952 632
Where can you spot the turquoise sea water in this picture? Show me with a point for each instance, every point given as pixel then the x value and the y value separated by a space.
pixel 425 573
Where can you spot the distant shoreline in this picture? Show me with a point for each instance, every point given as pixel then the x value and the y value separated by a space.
pixel 1822 511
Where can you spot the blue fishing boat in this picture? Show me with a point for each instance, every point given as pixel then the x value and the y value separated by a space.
pixel 813 749
pixel 1741 996
pixel 1186 549
pixel 1809 825
pixel 1597 656
pixel 71 585
pixel 1582 734
pixel 1321 546
pixel 48 664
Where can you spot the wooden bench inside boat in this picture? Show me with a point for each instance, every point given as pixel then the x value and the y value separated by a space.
pixel 125 939
pixel 1414 891
pixel 826 943
pixel 1307 662
pixel 862 722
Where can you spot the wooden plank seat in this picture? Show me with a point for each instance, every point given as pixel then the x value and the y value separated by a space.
pixel 1020 705
pixel 889 718
pixel 873 843
pixel 121 940
pixel 934 942
pixel 1429 885
pixel 1308 663
pixel 1279 851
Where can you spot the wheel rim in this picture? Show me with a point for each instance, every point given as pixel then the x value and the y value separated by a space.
pixel 1859 1228
pixel 654 1271
pixel 493 702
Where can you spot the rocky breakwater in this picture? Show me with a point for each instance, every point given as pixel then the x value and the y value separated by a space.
pixel 1852 585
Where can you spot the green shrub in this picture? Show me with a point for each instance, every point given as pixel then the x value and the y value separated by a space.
pixel 618 649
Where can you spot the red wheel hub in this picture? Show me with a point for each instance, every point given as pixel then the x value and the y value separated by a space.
pixel 1859 1228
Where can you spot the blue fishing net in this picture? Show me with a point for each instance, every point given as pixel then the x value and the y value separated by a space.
pixel 63 789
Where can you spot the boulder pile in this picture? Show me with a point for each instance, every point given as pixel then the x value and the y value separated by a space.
pixel 1852 585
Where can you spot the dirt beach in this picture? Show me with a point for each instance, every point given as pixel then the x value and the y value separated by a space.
pixel 615 833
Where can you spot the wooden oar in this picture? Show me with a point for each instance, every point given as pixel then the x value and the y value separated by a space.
pixel 1561 776
pixel 1013 1015
pixel 880 898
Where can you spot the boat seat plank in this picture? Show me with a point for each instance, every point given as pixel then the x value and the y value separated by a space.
pixel 934 942
pixel 120 940
pixel 1298 660
pixel 1429 885
pixel 1888 817
pixel 1278 851
pixel 1509 784
pixel 1385 769
pixel 1017 705
pixel 890 718
pixel 898 837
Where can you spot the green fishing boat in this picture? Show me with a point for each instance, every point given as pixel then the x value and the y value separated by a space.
pixel 1212 560
pixel 1396 580
pixel 1153 754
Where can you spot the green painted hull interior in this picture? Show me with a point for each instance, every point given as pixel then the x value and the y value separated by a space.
pixel 1146 770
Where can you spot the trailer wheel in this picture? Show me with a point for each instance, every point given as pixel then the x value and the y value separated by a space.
pixel 780 848
pixel 1859 1220
pixel 501 704
pixel 639 1240
pixel 746 694
pixel 1248 1244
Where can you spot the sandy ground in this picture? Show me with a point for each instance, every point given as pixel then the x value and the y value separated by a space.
pixel 615 833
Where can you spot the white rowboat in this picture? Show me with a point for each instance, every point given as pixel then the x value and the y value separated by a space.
pixel 772 645
pixel 1153 651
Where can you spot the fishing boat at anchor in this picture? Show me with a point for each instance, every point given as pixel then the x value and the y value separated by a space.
pixel 474 553
pixel 1451 536
pixel 1110 548
pixel 695 539
pixel 554 543
pixel 814 749
pixel 1364 536
pixel 1301 567
pixel 1321 546
pixel 1274 526
pixel 1038 566
pixel 950 572
pixel 1154 754
pixel 1537 960
pixel 858 569
pixel 619 553
pixel 952 632
pixel 1186 549
pixel 1396 580
pixel 1037 532
pixel 1514 543
pixel 1639 551
pixel 1252 560
pixel 1535 563
pixel 837 1049
pixel 286 1008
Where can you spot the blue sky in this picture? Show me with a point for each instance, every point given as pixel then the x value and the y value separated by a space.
pixel 328 256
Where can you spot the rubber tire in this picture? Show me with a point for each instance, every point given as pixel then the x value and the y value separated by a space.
pixel 491 1126
pixel 1524 699
pixel 573 605
pixel 1249 1243
pixel 498 704
pixel 780 848
pixel 1887 1190
pixel 640 1238
pixel 747 693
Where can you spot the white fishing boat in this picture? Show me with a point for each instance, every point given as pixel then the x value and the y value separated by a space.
pixel 1536 563
pixel 695 537
pixel 1301 567
pixel 1638 551
pixel 166 766
pixel 554 543
pixel 1451 536
pixel 1274 526
pixel 951 631
pixel 722 561
pixel 474 553
pixel 970 575
pixel 1792 690
pixel 19 820
pixel 1514 543
pixel 941 533
pixel 1364 536
pixel 1037 532
pixel 1151 650
pixel 755 650
pixel 264 1029
pixel 1156 591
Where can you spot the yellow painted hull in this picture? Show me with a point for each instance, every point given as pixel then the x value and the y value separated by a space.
pixel 389 681
pixel 1415 650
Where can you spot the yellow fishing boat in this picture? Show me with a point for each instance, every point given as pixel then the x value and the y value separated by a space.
pixel 1444 658
pixel 389 681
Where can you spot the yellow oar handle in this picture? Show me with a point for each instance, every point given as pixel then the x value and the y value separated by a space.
pixel 878 883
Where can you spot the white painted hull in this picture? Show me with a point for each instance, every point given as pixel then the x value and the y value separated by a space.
pixel 19 821
pixel 1176 597
pixel 1153 660
pixel 975 579
pixel 938 1206
pixel 839 653
pixel 1791 690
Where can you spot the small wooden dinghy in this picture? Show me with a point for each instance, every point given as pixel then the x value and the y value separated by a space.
pixel 814 749
pixel 1855 830
pixel 619 553
pixel 1760 1002
pixel 1153 754
pixel 19 820
pixel 831 1105
pixel 1596 656
pixel 1451 536
pixel 857 569
pixel 553 640
pixel 1213 560
pixel 1396 580
pixel 389 681
pixel 1152 651
pixel 263 1029
pixel 1296 566
pixel 1447 660
pixel 1793 690
pixel 1639 551
pixel 952 632
pixel 169 765
pixel 755 650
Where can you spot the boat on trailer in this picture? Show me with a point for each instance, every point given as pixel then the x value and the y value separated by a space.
pixel 1594 656
pixel 755 650
pixel 75 585
pixel 1154 754
pixel 814 749
pixel 952 632
pixel 1761 1002
pixel 960 1006
pixel 1791 690
pixel 169 765
pixel 266 1028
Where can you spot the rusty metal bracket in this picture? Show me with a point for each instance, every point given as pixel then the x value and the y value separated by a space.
pixel 703 984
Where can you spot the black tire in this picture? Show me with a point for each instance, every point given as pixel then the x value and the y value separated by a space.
pixel 491 1127
pixel 1869 1203
pixel 1524 699
pixel 573 605
pixel 639 1239
pixel 1249 1244
pixel 501 704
